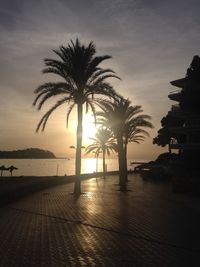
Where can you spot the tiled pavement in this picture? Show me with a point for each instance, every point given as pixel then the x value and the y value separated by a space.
pixel 146 226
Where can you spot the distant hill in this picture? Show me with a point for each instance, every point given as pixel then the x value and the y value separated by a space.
pixel 30 153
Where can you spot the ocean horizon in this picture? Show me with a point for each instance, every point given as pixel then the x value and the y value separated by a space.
pixel 59 166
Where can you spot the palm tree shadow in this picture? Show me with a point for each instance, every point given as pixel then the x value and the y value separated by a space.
pixel 124 190
pixel 75 196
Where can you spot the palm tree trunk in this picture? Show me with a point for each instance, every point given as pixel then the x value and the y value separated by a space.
pixel 122 181
pixel 77 185
pixel 169 148
pixel 125 163
pixel 97 157
pixel 104 164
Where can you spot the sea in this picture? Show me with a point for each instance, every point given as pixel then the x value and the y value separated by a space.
pixel 58 167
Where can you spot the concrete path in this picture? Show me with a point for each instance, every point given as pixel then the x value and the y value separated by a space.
pixel 147 226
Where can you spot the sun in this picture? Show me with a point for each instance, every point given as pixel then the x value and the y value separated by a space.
pixel 89 128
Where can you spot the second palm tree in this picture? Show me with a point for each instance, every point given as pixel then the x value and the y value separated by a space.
pixel 104 143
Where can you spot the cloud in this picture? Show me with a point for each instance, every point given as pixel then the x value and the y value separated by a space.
pixel 152 43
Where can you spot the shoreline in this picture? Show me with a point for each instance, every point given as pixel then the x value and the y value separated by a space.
pixel 83 175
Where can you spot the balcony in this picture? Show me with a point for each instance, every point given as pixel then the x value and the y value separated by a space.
pixel 175 95
pixel 181 83
pixel 177 112
pixel 186 129
pixel 194 121
pixel 191 146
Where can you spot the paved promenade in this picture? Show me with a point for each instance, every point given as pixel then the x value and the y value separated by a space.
pixel 146 226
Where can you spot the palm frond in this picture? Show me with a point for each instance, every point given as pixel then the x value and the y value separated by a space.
pixel 103 141
pixel 65 87
pixel 83 79
pixel 99 72
pixel 68 113
pixel 93 109
pixel 94 62
pixel 45 117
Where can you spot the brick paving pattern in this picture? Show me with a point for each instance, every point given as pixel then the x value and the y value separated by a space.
pixel 147 226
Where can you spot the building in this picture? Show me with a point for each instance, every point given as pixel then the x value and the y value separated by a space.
pixel 191 125
pixel 186 107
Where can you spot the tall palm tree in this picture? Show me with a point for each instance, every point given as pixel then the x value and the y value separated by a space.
pixel 131 131
pixel 83 79
pixel 103 142
pixel 123 119
pixel 112 116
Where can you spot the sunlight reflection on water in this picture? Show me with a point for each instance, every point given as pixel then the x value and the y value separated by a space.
pixel 45 167
pixel 60 167
pixel 89 165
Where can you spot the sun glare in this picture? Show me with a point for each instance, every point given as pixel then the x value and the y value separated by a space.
pixel 89 128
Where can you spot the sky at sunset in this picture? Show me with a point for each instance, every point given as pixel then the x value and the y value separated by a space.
pixel 151 43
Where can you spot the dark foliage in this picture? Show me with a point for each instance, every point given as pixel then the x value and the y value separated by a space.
pixel 165 134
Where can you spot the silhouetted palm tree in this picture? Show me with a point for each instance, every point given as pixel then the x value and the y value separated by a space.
pixel 123 119
pixel 133 134
pixel 83 79
pixel 113 116
pixel 103 142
